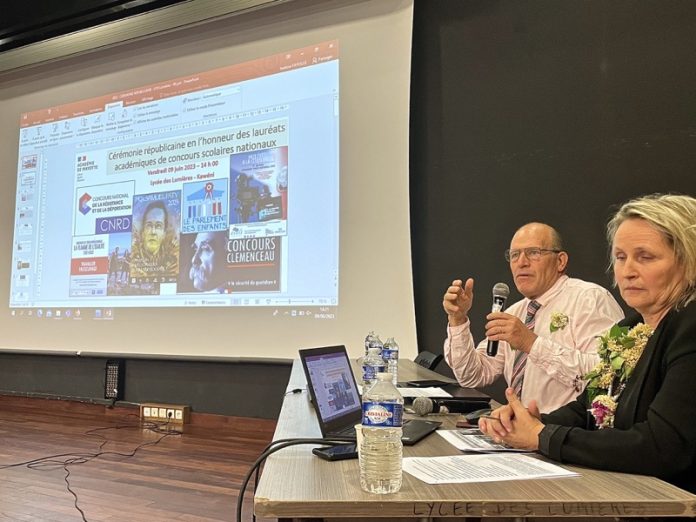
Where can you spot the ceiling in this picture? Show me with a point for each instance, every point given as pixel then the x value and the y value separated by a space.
pixel 29 21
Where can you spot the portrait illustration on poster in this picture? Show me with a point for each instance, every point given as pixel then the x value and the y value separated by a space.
pixel 204 262
pixel 155 237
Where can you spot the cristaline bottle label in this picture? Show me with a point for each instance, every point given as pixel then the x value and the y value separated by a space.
pixel 382 414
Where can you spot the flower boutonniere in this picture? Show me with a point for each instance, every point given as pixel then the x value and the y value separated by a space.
pixel 619 351
pixel 559 321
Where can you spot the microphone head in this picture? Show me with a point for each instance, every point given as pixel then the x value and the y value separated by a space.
pixel 501 290
pixel 422 406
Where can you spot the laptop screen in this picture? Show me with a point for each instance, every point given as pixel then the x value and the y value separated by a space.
pixel 331 382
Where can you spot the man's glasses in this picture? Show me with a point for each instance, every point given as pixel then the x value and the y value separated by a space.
pixel 531 253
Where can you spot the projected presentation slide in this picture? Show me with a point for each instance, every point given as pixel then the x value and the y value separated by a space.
pixel 214 189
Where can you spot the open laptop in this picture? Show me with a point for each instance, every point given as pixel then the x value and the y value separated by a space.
pixel 335 396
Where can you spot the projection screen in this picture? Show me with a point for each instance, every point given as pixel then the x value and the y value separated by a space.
pixel 233 188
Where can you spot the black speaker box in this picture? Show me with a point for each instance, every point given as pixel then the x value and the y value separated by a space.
pixel 114 377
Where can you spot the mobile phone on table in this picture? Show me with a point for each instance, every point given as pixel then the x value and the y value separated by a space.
pixel 339 452
pixel 472 418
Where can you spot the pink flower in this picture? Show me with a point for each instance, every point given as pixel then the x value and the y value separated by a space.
pixel 603 409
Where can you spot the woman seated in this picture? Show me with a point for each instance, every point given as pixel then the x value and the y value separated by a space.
pixel 638 412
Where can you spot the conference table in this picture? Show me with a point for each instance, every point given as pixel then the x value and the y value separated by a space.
pixel 296 485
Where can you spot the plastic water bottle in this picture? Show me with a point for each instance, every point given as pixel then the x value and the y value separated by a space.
pixel 376 342
pixel 369 340
pixel 381 449
pixel 372 364
pixel 390 354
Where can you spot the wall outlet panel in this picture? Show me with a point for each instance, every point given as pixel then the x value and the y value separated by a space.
pixel 173 413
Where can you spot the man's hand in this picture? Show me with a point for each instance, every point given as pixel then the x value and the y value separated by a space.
pixel 458 300
pixel 506 327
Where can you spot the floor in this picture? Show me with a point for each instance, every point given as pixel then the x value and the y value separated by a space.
pixel 120 469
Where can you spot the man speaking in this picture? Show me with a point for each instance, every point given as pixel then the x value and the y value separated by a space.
pixel 547 341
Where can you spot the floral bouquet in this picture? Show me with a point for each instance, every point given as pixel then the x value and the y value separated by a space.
pixel 619 351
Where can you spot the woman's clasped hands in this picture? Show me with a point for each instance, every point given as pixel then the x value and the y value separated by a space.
pixel 513 424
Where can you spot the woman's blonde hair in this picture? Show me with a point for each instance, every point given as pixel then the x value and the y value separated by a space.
pixel 674 216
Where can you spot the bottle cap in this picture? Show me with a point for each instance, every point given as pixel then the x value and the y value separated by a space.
pixel 383 376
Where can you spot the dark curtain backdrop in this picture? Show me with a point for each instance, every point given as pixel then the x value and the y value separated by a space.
pixel 552 111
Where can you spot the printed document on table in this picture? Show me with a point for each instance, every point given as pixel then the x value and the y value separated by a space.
pixel 473 440
pixel 493 467
pixel 423 392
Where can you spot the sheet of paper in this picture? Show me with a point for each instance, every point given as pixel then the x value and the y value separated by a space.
pixel 472 439
pixel 423 392
pixel 492 467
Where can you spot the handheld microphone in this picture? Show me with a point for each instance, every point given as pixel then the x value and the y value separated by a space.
pixel 425 405
pixel 501 291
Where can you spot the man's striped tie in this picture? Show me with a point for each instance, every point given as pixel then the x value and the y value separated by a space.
pixel 521 357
